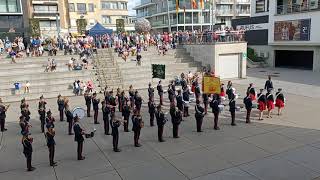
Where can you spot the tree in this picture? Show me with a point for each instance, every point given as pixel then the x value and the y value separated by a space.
pixel 120 25
pixel 81 26
pixel 34 27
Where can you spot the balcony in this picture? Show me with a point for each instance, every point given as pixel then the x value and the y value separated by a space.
pixel 45 12
pixel 224 13
pixel 243 2
pixel 242 12
pixel 143 14
pixel 143 3
pixel 44 1
pixel 298 8
pixel 224 2
pixel 82 12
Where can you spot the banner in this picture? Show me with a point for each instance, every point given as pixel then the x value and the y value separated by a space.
pixel 295 30
pixel 158 71
pixel 211 85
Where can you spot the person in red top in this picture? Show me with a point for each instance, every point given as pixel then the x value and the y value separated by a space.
pixel 270 102
pixel 280 101
pixel 262 102
pixel 223 92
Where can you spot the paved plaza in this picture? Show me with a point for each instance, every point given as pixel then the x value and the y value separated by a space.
pixel 281 148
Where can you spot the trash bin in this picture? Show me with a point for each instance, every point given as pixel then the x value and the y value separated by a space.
pixel 17 86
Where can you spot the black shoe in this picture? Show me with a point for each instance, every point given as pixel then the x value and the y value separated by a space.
pixel 71 134
pixel 96 123
pixel 82 158
pixel 248 122
pixel 176 137
pixel 53 164
pixel 117 150
pixel 107 134
pixel 216 128
pixel 200 131
pixel 138 145
pixel 233 124
pixel 162 140
pixel 32 169
pixel 4 130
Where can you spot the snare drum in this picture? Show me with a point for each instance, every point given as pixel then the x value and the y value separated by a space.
pixel 221 107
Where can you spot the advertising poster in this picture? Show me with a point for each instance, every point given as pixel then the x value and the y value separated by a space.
pixel 211 85
pixel 294 30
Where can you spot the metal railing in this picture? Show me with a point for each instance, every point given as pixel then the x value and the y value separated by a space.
pixel 298 8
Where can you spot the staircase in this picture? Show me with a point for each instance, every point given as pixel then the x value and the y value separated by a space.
pixel 49 84
pixel 107 71
pixel 177 61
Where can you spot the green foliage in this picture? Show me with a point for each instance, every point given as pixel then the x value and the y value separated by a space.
pixel 81 26
pixel 120 25
pixel 34 27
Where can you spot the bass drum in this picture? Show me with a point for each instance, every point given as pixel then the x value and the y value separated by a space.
pixel 78 111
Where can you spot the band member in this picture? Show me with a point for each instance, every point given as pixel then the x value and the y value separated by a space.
pixel 24 125
pixel 214 104
pixel 248 104
pixel 42 112
pixel 131 96
pixel 95 103
pixel 197 90
pixel 105 115
pixel 115 132
pixel 229 90
pixel 161 121
pixel 3 110
pixel 280 101
pixel 186 99
pixel 205 99
pixel 171 93
pixel 183 81
pixel 150 91
pixel 179 100
pixel 25 109
pixel 50 119
pixel 232 109
pixel 138 101
pixel 51 143
pixel 262 103
pixel 126 115
pixel 252 92
pixel 268 85
pixel 60 103
pixel 118 97
pixel 152 110
pixel 176 118
pixel 270 102
pixel 88 99
pixel 121 100
pixel 199 115
pixel 137 124
pixel 69 115
pixel 223 92
pixel 160 92
pixel 112 102
pixel 27 149
pixel 78 137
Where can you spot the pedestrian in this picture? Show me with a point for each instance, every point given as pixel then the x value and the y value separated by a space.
pixel 3 110
pixel 280 101
pixel 248 104
pixel 176 118
pixel 232 108
pixel 270 102
pixel 137 124
pixel 230 90
pixel 42 112
pixel 95 103
pixel 152 110
pixel 161 121
pixel 268 85
pixel 199 114
pixel 214 104
pixel 88 99
pixel 115 132
pixel 160 92
pixel 262 103
pixel 27 141
pixel 60 103
pixel 78 137
pixel 51 143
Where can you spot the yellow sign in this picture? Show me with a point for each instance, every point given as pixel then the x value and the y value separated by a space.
pixel 211 85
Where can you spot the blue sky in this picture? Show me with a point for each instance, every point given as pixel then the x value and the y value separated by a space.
pixel 131 4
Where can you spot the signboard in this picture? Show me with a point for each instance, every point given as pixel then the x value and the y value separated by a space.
pixel 253 27
pixel 211 85
pixel 158 71
pixel 295 30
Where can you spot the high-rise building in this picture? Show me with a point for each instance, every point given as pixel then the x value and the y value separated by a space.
pixel 191 16
pixel 106 12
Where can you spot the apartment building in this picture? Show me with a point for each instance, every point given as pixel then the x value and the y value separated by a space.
pixel 105 12
pixel 188 17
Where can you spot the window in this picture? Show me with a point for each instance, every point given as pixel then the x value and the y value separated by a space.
pixel 260 6
pixel 106 20
pixel 91 7
pixel 113 5
pixel 40 8
pixel 71 7
pixel 10 6
pixel 81 7
pixel 105 5
pixel 47 24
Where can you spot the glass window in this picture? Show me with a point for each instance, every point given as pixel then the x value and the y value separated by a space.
pixel 12 6
pixel 71 7
pixel 106 20
pixel 3 6
pixel 81 7
pixel 105 5
pixel 91 7
pixel 260 6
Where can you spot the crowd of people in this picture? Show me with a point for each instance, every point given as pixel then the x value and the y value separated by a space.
pixel 129 105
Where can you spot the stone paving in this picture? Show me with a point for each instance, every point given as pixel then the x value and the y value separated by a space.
pixel 281 148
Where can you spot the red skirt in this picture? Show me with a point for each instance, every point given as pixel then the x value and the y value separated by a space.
pixel 253 97
pixel 279 103
pixel 270 105
pixel 261 106
pixel 222 94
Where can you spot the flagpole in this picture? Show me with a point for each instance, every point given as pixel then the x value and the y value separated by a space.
pixel 192 16
pixel 184 19
pixel 168 14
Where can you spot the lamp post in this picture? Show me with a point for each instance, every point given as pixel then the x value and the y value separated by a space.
pixel 168 14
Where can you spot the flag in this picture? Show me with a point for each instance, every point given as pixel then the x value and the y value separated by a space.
pixel 158 71
pixel 177 6
pixel 202 4
pixel 194 4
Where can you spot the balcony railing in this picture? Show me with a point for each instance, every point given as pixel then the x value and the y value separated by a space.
pixel 224 1
pixel 44 1
pixel 297 8
pixel 82 12
pixel 45 12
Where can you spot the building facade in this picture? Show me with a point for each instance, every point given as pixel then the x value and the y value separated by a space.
pixel 105 12
pixel 190 17
pixel 13 19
